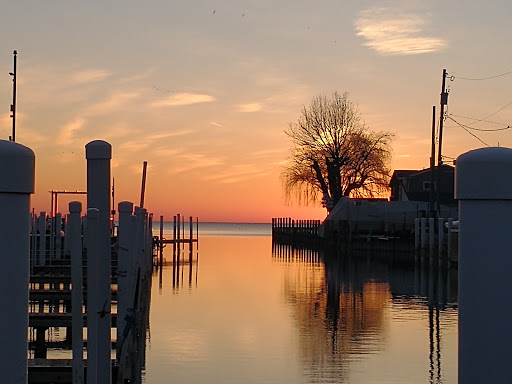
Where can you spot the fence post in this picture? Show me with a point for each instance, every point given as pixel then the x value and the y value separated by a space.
pixel 17 183
pixel 484 190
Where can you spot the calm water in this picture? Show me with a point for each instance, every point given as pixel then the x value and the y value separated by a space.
pixel 244 312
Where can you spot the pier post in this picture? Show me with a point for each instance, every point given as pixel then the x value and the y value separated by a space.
pixel 16 186
pixel 74 235
pixel 440 241
pixel 42 238
pixel 124 280
pixel 58 238
pixel 483 186
pixel 423 231
pixel 432 236
pixel 417 234
pixel 98 155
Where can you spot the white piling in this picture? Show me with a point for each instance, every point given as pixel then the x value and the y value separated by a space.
pixel 58 238
pixel 124 244
pixel 74 235
pixel 484 190
pixel 92 295
pixel 98 154
pixel 42 238
pixel 416 233
pixel 449 237
pixel 440 239
pixel 17 183
pixel 423 231
pixel 432 235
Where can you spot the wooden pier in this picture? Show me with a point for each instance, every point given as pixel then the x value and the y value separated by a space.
pixel 376 237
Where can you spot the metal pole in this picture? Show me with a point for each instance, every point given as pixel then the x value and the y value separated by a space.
pixel 13 105
pixel 143 188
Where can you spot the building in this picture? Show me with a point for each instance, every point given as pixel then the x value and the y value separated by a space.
pixel 415 185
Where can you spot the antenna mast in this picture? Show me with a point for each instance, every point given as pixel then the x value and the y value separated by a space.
pixel 13 105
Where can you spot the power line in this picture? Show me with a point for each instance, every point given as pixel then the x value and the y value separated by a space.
pixel 482 129
pixel 477 120
pixel 468 131
pixel 480 78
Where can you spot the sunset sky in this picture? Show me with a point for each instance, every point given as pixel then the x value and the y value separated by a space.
pixel 203 90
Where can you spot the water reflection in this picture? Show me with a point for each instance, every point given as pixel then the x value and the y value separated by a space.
pixel 344 306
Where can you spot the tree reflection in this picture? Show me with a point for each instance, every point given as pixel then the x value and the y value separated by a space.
pixel 341 306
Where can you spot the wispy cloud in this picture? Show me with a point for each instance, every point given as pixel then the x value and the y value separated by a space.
pixel 250 107
pixel 180 99
pixel 217 124
pixel 67 131
pixel 113 102
pixel 391 31
pixel 191 162
pixel 90 75
pixel 238 173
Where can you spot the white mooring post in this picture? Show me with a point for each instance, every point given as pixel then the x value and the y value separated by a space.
pixel 124 262
pixel 74 236
pixel 484 190
pixel 423 231
pixel 16 185
pixel 98 155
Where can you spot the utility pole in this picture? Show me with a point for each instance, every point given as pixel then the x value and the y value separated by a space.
pixel 13 105
pixel 432 163
pixel 444 101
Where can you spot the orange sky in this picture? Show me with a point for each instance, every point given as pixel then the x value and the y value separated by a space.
pixel 205 96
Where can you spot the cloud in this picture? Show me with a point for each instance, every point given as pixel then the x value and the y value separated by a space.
pixel 90 75
pixel 67 131
pixel 250 107
pixel 393 32
pixel 113 102
pixel 238 173
pixel 180 99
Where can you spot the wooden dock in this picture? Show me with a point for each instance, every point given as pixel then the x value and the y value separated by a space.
pixel 50 296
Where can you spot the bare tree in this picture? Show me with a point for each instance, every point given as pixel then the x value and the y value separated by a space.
pixel 335 154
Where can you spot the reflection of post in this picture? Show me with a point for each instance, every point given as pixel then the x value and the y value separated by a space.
pixel 190 267
pixel 483 188
pixel 17 176
pixel 161 241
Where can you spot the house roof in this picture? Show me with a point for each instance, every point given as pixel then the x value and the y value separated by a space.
pixel 404 173
pixel 400 174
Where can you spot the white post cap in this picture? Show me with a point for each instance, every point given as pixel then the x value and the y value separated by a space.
pixel 484 174
pixel 125 207
pixel 98 149
pixel 17 168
